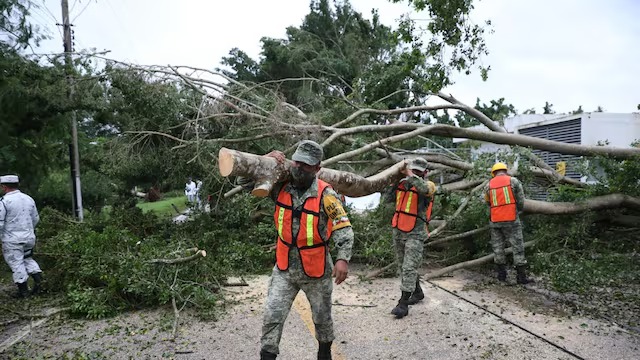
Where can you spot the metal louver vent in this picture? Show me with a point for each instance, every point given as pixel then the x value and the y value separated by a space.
pixel 567 132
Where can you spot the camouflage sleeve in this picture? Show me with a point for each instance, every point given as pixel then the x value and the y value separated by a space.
pixel 485 192
pixel 518 192
pixel 424 187
pixel 342 234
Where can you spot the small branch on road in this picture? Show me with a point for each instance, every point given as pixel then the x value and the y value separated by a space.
pixel 355 305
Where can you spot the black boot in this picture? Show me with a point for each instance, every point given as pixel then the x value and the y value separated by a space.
pixel 402 309
pixel 324 351
pixel 37 282
pixel 417 294
pixel 265 355
pixel 501 269
pixel 23 291
pixel 521 276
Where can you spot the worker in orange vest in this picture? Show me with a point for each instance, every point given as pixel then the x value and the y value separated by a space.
pixel 413 197
pixel 505 197
pixel 308 214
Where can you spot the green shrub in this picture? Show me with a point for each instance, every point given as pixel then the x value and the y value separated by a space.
pixel 373 243
pixel 104 264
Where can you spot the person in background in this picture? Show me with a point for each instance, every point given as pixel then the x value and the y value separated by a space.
pixel 505 196
pixel 190 190
pixel 413 196
pixel 197 190
pixel 18 219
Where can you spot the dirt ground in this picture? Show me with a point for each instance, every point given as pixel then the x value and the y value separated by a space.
pixel 465 316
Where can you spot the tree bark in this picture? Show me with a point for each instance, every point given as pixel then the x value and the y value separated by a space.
pixel 597 203
pixel 439 161
pixel 415 129
pixel 470 263
pixel 267 172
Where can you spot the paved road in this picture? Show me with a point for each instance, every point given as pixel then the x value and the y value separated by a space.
pixel 441 327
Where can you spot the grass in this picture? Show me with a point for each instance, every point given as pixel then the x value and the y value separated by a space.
pixel 163 207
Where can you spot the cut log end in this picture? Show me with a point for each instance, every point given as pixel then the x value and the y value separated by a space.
pixel 260 192
pixel 225 162
pixel 262 188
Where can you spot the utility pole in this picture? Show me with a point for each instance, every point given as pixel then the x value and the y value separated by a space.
pixel 74 155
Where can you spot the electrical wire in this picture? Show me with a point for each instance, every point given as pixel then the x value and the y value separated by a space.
pixel 569 352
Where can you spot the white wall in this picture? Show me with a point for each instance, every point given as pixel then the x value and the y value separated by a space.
pixel 619 129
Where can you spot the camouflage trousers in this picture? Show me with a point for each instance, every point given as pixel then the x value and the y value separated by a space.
pixel 512 234
pixel 409 248
pixel 283 288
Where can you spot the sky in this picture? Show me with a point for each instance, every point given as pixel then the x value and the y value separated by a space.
pixel 566 52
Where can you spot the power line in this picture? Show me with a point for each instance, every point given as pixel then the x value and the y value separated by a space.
pixel 44 6
pixel 122 26
pixel 81 11
pixel 559 347
pixel 44 10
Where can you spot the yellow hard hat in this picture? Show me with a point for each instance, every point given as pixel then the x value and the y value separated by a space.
pixel 498 166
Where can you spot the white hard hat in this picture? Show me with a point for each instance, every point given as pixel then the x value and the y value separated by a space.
pixel 9 179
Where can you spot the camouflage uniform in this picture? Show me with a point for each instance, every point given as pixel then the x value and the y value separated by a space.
pixel 511 231
pixel 409 246
pixel 284 285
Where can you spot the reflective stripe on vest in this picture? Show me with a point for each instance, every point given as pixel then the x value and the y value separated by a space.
pixel 406 213
pixel 501 199
pixel 311 245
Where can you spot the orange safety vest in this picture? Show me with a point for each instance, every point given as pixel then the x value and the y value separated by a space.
pixel 501 199
pixel 407 208
pixel 312 245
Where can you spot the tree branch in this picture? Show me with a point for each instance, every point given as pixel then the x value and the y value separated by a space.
pixel 197 255
pixel 463 235
pixel 471 263
pixel 395 112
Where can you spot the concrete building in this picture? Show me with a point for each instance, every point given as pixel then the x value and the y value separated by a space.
pixel 614 129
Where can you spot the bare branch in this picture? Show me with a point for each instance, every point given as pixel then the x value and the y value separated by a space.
pixel 494 137
pixel 149 132
pixel 395 112
pixel 597 203
pixel 197 255
pixel 462 206
pixel 463 235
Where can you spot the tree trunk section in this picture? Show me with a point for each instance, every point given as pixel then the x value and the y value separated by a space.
pixel 597 203
pixel 266 172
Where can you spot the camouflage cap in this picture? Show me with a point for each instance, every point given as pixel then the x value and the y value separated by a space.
pixel 308 152
pixel 418 164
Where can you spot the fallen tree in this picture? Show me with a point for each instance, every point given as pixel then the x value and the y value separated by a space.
pixel 365 131
pixel 471 263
